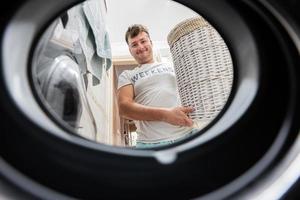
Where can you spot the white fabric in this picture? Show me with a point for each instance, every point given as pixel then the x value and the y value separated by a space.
pixel 154 85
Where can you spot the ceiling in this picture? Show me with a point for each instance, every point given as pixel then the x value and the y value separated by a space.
pixel 160 16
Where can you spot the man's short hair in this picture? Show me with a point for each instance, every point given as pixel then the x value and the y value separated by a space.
pixel 134 30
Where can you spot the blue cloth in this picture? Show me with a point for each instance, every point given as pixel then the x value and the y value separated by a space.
pixel 142 145
pixel 95 15
pixel 88 20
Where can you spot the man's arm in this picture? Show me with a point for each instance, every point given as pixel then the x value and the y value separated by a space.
pixel 129 109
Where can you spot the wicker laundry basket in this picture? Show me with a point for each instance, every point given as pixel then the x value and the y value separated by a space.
pixel 203 68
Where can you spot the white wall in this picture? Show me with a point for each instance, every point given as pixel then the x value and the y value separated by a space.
pixel 160 16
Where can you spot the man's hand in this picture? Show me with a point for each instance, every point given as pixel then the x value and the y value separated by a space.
pixel 178 116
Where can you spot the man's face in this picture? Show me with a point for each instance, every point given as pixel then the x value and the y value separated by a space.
pixel 140 48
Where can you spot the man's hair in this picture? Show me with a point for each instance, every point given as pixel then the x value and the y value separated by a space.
pixel 134 30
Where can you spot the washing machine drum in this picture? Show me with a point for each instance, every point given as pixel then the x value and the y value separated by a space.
pixel 251 150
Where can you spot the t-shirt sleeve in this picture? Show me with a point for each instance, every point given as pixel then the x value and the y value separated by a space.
pixel 124 79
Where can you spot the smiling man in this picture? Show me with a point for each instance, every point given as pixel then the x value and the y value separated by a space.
pixel 148 95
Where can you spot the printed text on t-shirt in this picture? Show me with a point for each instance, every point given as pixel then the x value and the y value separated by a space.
pixel 151 72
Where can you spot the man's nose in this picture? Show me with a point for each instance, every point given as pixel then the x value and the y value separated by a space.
pixel 140 47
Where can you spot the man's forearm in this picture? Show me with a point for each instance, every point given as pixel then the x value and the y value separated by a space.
pixel 175 116
pixel 135 111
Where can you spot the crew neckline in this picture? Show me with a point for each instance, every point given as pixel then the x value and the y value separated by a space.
pixel 149 64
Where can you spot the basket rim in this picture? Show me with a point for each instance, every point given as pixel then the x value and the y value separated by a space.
pixel 185 27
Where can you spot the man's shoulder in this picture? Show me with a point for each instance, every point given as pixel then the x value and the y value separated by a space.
pixel 128 71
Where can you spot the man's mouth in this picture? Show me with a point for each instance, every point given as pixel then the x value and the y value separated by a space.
pixel 142 53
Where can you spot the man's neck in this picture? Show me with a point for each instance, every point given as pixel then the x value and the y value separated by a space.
pixel 147 62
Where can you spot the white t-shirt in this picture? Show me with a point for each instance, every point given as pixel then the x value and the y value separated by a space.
pixel 154 85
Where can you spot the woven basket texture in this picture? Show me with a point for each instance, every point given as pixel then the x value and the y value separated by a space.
pixel 203 67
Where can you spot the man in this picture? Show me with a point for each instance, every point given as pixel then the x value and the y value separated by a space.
pixel 149 96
